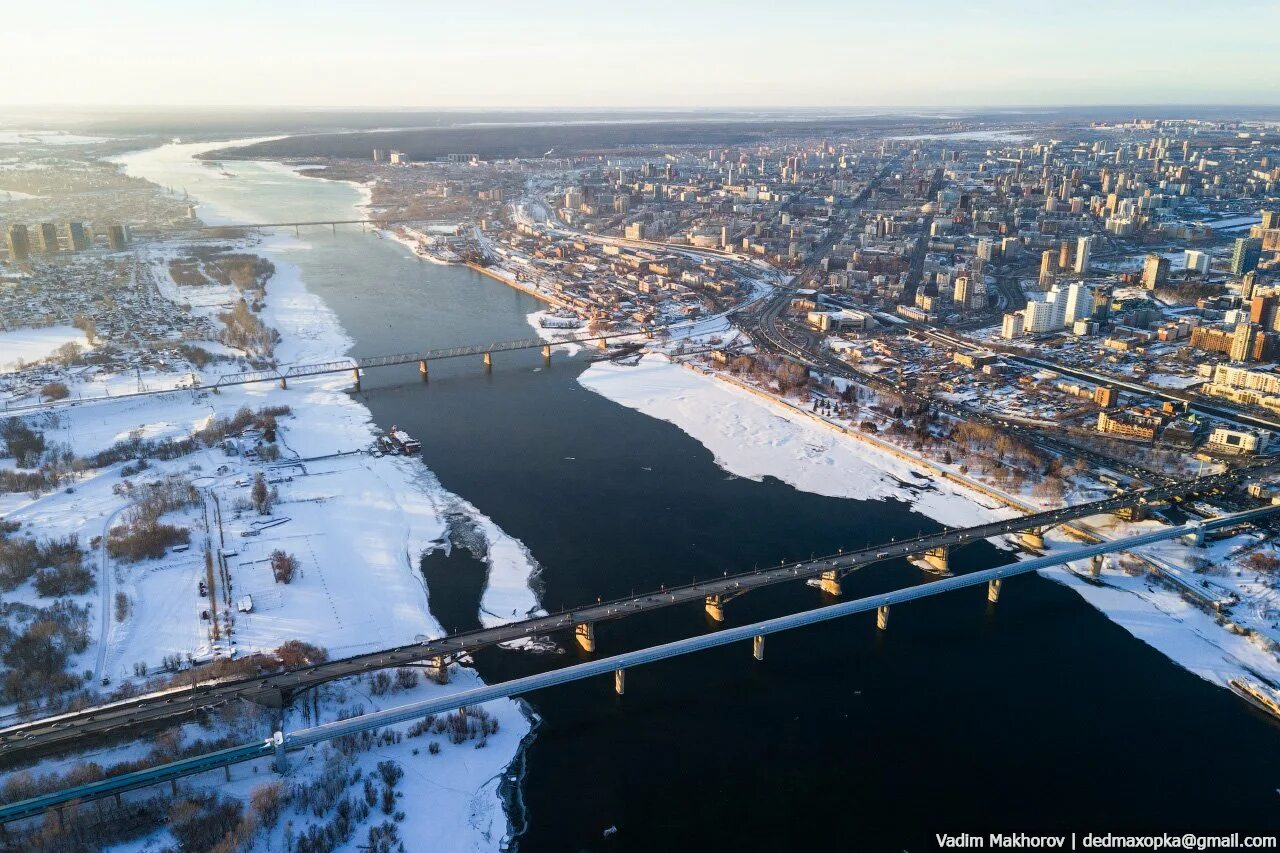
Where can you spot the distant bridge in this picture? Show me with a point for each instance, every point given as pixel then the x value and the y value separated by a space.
pixel 354 366
pixel 278 688
pixel 281 743
pixel 332 223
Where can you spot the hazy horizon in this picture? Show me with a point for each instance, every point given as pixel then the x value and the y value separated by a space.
pixel 564 54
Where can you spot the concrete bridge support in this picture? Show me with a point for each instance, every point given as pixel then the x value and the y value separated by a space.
pixel 936 559
pixel 1033 538
pixel 829 582
pixel 619 681
pixel 488 362
pixel 602 344
pixel 993 590
pixel 1095 565
pixel 438 669
pixel 1196 539
pixel 1136 512
pixel 586 635
pixel 282 759
pixel 284 385
pixel 355 376
pixel 422 369
pixel 882 617
pixel 546 353
pixel 715 607
pixel 757 647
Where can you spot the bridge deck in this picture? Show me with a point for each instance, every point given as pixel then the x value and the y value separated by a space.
pixel 51 733
pixel 328 731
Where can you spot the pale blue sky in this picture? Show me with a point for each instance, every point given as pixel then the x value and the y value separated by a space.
pixel 639 53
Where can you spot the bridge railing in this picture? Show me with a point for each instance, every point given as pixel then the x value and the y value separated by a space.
pixel 616 663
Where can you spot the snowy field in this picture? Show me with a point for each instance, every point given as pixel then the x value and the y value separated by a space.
pixel 19 346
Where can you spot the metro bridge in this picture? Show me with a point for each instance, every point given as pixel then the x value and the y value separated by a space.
pixel 279 745
pixel 276 689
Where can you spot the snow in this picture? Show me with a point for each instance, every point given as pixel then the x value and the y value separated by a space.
pixel 754 438
pixel 47 137
pixel 14 195
pixel 972 135
pixel 358 525
pixel 29 344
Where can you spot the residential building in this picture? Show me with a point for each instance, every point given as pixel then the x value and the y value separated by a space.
pixel 1155 271
pixel 19 243
pixel 1245 255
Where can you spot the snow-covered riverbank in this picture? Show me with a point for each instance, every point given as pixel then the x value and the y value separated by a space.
pixel 358 523
pixel 756 438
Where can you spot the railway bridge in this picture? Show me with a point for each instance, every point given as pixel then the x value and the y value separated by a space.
pixel 281 743
pixel 277 688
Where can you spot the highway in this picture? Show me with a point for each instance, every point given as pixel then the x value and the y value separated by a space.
pixel 274 688
pixel 284 742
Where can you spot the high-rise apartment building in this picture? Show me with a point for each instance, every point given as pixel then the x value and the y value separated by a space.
pixel 47 238
pixel 1155 271
pixel 117 237
pixel 1245 255
pixel 77 237
pixel 19 243
pixel 1084 248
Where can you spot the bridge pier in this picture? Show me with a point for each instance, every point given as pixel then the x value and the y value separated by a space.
pixel 586 636
pixel 1196 539
pixel 936 559
pixel 355 376
pixel 715 607
pixel 1033 538
pixel 284 385
pixel 882 617
pixel 619 681
pixel 1135 512
pixel 488 362
pixel 602 344
pixel 438 669
pixel 422 369
pixel 829 582
pixel 757 647
pixel 1095 566
pixel 993 590
pixel 546 353
pixel 281 761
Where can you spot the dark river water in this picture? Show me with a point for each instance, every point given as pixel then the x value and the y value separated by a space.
pixel 1037 714
pixel 1034 715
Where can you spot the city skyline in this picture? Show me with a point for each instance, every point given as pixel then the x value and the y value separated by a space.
pixel 565 54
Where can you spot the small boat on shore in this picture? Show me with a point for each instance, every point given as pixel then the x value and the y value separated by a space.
pixel 402 441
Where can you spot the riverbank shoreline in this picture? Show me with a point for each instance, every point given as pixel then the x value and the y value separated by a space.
pixel 1154 614
pixel 310 331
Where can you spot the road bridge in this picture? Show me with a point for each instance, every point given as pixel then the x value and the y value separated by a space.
pixel 282 375
pixel 281 742
pixel 332 223
pixel 278 688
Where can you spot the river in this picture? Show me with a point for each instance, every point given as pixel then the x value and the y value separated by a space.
pixel 1033 715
